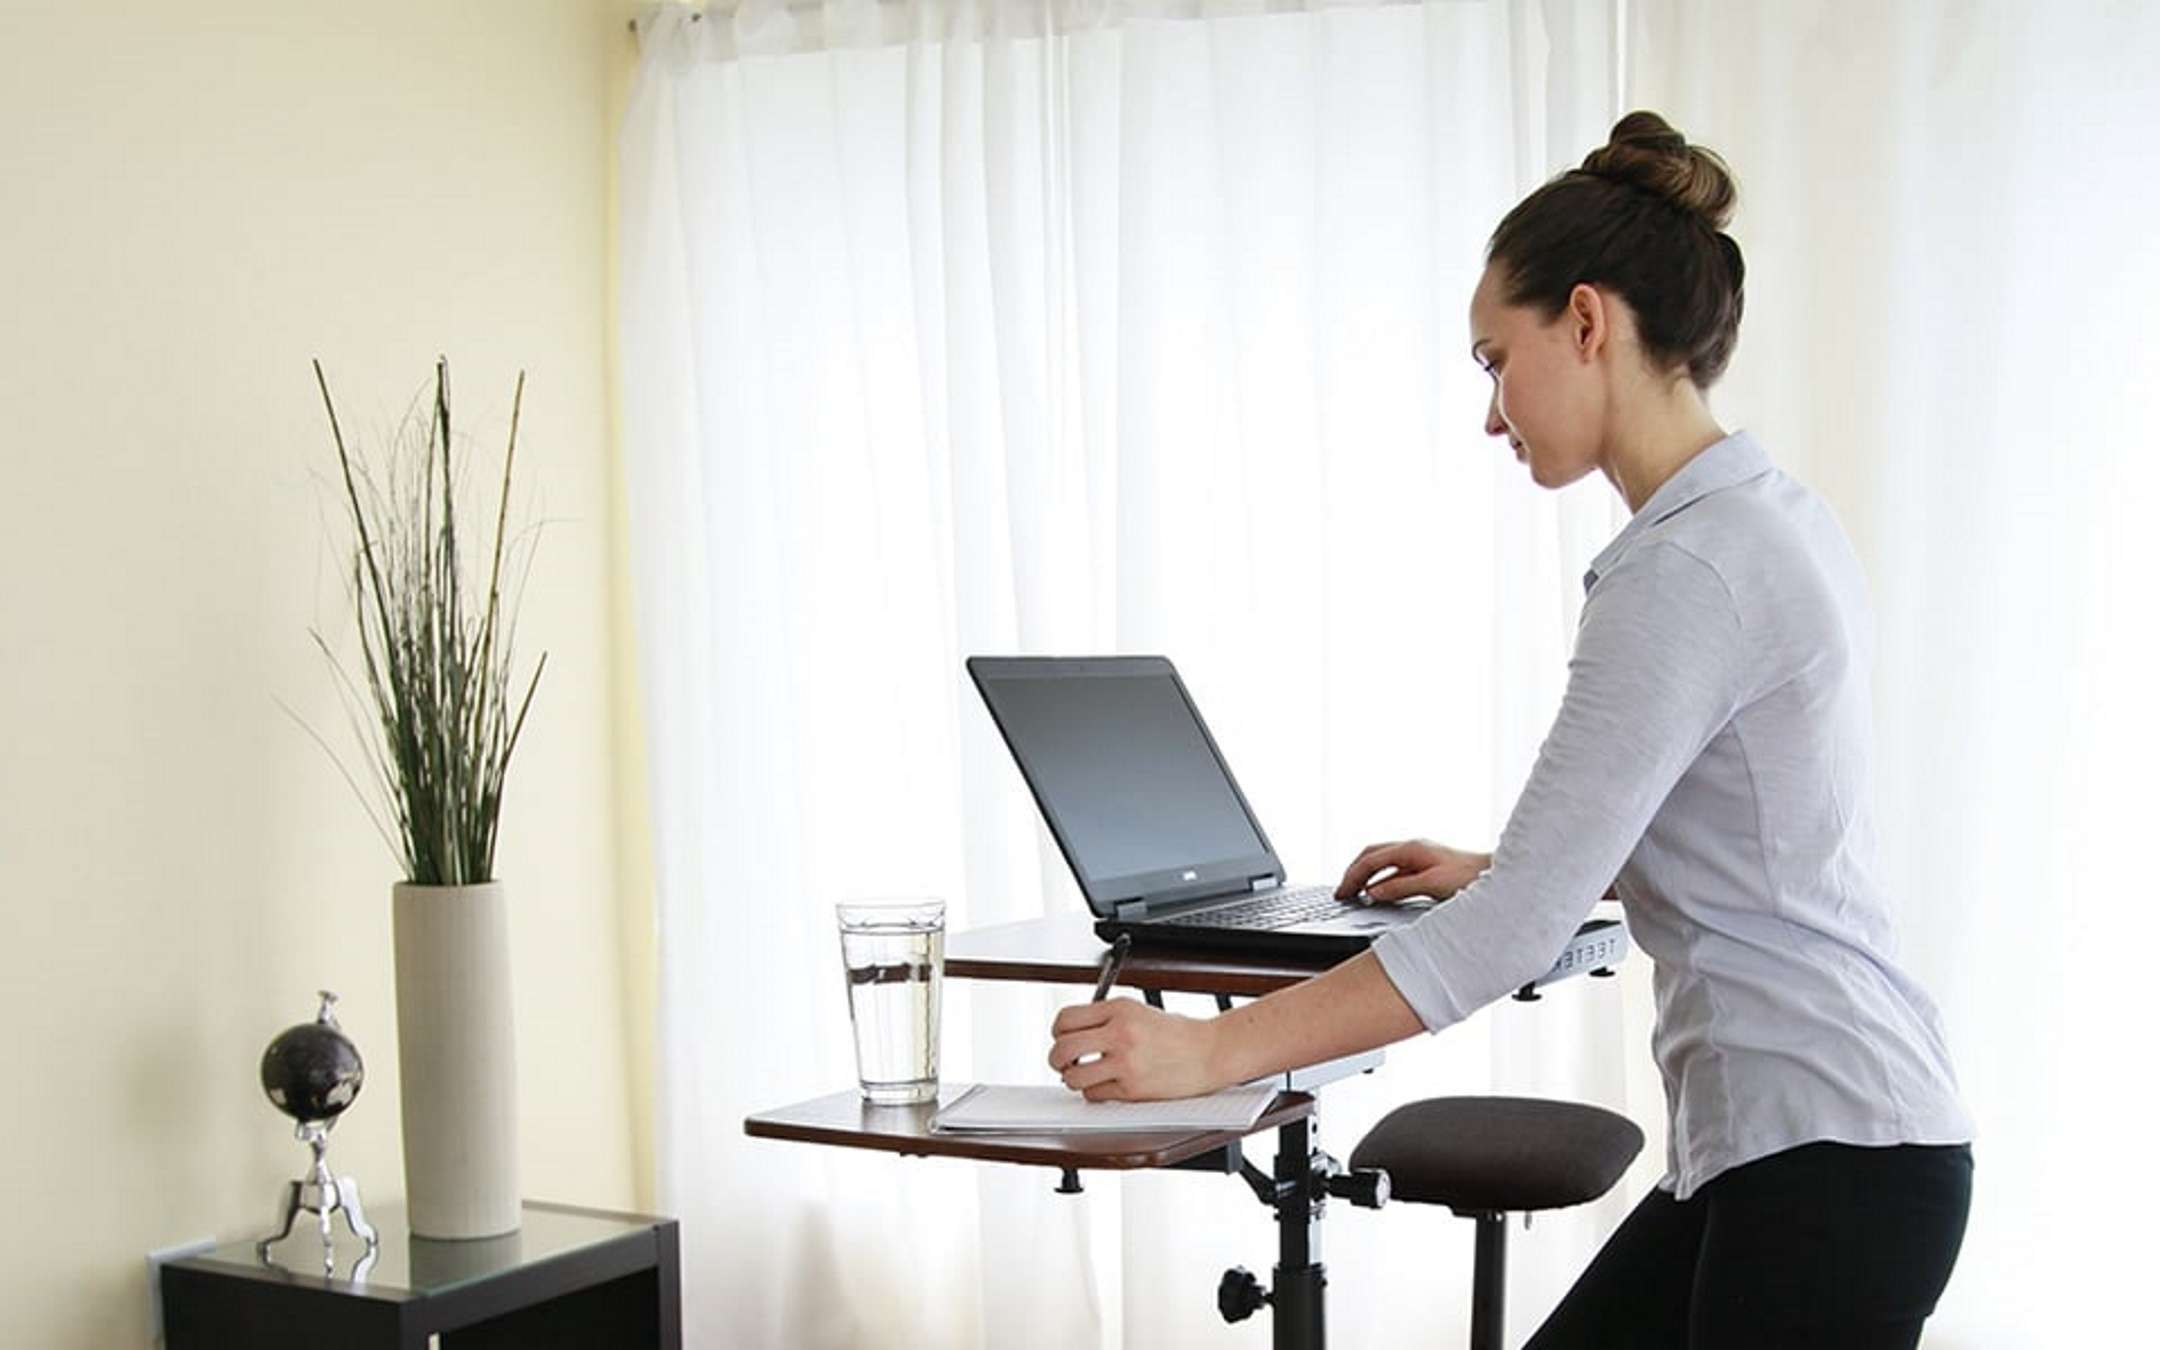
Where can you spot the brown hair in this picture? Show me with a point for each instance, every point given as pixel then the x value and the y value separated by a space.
pixel 1644 216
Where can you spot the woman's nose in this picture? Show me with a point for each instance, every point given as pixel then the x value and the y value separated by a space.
pixel 1495 425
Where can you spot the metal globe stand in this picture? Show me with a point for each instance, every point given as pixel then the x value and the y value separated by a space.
pixel 323 1195
pixel 320 1193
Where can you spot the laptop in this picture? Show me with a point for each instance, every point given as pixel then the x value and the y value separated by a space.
pixel 1150 819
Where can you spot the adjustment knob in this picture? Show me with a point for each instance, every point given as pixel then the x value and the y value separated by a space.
pixel 1365 1187
pixel 1239 1295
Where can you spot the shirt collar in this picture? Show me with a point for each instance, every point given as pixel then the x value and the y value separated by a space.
pixel 1720 464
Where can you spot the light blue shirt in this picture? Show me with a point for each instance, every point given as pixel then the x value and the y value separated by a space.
pixel 1711 752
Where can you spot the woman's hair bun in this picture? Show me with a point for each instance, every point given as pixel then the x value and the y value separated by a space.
pixel 1645 152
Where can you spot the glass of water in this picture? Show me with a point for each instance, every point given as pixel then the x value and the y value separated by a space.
pixel 894 952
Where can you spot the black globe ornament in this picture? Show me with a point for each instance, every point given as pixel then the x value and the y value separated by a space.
pixel 312 1071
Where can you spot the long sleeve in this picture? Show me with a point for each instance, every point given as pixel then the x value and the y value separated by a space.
pixel 1658 670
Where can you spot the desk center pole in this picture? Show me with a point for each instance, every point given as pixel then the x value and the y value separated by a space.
pixel 1299 1295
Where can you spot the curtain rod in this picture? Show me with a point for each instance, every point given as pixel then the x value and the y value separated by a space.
pixel 1619 8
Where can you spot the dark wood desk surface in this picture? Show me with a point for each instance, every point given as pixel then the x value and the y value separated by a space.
pixel 1065 950
pixel 844 1118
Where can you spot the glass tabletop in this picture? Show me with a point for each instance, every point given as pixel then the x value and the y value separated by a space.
pixel 417 1266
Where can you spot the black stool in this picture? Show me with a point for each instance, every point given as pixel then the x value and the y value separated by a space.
pixel 1488 1157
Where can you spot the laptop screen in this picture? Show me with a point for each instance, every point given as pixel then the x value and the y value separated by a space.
pixel 1126 775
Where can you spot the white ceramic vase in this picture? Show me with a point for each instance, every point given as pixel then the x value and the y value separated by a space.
pixel 457 1059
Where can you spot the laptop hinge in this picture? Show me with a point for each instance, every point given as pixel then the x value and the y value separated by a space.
pixel 1266 881
pixel 1129 911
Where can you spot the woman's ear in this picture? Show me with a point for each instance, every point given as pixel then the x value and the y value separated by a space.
pixel 1590 322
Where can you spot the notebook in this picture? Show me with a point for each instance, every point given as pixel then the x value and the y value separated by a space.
pixel 990 1108
pixel 1155 829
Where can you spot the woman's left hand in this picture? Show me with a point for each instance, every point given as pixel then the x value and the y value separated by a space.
pixel 1140 1053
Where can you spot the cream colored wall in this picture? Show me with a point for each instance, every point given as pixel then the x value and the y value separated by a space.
pixel 634 874
pixel 195 198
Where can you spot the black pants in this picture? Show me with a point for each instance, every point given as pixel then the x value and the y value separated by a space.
pixel 1826 1245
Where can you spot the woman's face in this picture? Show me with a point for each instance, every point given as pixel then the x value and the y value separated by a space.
pixel 1548 391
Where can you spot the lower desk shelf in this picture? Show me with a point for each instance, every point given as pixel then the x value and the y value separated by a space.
pixel 846 1120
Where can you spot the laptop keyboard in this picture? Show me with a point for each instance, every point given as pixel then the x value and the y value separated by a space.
pixel 1277 910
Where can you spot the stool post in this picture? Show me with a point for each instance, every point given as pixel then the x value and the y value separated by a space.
pixel 1488 1283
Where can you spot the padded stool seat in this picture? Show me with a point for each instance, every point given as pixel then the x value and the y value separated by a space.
pixel 1499 1154
pixel 1488 1157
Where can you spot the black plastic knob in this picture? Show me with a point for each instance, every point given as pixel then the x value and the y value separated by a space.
pixel 1240 1294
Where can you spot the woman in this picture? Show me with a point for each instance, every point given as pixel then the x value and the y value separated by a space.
pixel 1710 753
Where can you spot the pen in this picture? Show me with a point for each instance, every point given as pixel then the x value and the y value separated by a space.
pixel 1113 962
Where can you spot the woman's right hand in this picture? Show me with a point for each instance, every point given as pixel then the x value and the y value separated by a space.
pixel 1413 867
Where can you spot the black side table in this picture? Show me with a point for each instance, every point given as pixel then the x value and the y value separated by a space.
pixel 569 1278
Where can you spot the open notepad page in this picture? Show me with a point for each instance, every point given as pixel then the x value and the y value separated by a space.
pixel 1012 1109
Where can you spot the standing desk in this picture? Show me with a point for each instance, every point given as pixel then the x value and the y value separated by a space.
pixel 1065 950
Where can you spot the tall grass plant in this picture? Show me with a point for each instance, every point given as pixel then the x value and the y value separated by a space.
pixel 434 705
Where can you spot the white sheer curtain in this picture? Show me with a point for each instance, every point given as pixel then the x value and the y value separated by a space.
pixel 1947 211
pixel 954 328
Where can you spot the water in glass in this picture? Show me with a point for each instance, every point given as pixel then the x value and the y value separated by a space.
pixel 895 960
